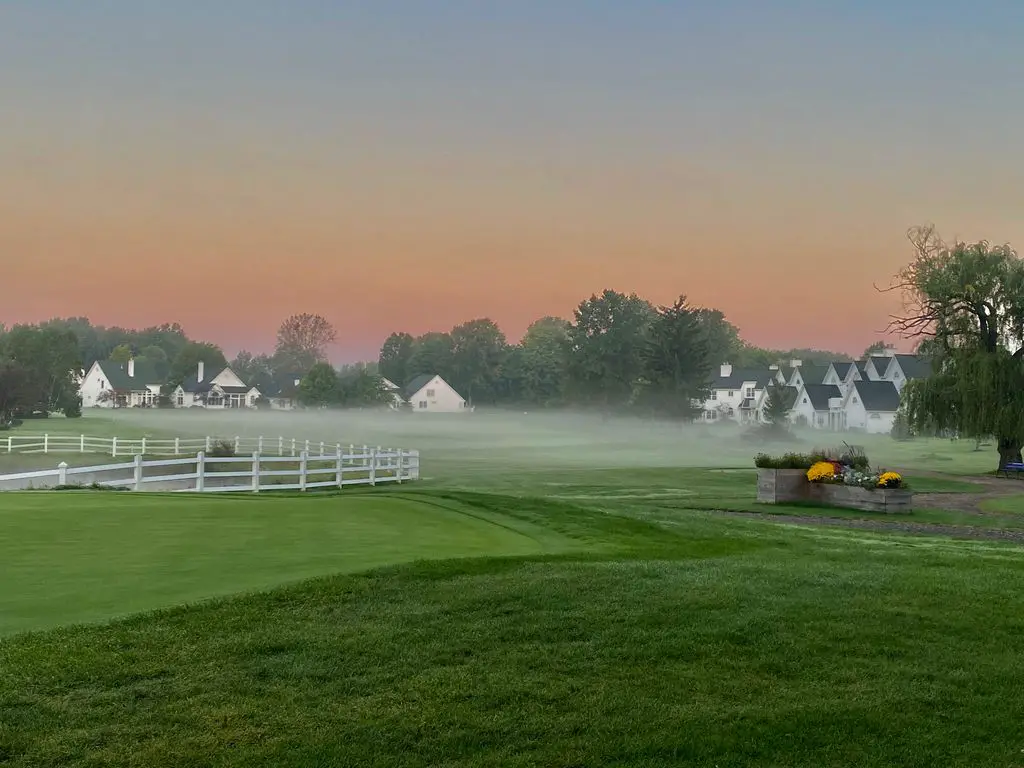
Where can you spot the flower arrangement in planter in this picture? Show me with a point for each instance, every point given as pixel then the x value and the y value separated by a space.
pixel 839 474
pixel 841 478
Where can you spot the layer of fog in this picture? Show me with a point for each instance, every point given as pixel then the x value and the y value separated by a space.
pixel 533 439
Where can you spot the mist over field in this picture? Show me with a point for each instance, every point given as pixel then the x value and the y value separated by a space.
pixel 525 440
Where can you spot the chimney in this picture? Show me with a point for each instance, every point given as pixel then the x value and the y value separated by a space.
pixel 773 367
pixel 725 370
pixel 200 372
pixel 131 368
pixel 795 363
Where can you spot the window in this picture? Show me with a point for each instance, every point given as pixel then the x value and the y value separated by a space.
pixel 431 393
pixel 730 393
pixel 423 404
pixel 181 399
pixel 750 391
pixel 714 394
pixel 875 416
pixel 854 399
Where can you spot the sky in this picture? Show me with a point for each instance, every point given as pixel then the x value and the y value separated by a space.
pixel 406 166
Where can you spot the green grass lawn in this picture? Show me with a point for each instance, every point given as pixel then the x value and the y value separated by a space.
pixel 550 595
pixel 83 556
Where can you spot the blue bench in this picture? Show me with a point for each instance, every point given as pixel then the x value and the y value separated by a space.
pixel 1013 466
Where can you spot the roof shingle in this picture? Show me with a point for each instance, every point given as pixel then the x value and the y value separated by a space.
pixel 878 395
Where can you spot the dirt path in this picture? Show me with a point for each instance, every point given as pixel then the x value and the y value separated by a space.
pixel 989 487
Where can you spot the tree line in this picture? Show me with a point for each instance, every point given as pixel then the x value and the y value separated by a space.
pixel 619 352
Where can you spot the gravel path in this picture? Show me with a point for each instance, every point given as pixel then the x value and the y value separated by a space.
pixel 989 487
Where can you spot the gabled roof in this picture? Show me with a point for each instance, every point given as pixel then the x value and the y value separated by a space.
pixel 881 363
pixel 841 369
pixel 878 395
pixel 812 374
pixel 761 377
pixel 117 376
pixel 819 395
pixel 915 366
pixel 417 384
pixel 862 367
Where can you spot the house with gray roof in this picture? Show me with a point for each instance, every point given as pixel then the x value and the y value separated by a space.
pixel 818 406
pixel 429 393
pixel 112 384
pixel 225 390
pixel 904 368
pixel 871 406
pixel 738 394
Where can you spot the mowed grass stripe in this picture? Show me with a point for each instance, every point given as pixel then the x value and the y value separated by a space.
pixel 83 556
pixel 785 655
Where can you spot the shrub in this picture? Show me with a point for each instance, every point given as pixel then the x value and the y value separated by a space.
pixel 786 461
pixel 221 449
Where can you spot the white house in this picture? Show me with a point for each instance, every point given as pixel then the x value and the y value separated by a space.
pixel 838 374
pixel 110 384
pixel 806 374
pixel 738 394
pixel 904 368
pixel 877 366
pixel 871 406
pixel 819 406
pixel 225 390
pixel 430 393
pixel 394 390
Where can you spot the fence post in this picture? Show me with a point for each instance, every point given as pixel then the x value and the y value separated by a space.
pixel 238 443
pixel 62 473
pixel 399 472
pixel 259 445
pixel 138 472
pixel 373 467
pixel 177 446
pixel 321 447
pixel 307 446
pixel 383 464
pixel 142 449
pixel 293 446
pixel 46 443
pixel 113 446
pixel 200 471
pixel 81 444
pixel 340 469
pixel 207 444
pixel 256 471
pixel 10 443
pixel 303 462
pixel 366 459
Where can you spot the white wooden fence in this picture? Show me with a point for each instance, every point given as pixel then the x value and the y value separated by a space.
pixel 178 446
pixel 253 473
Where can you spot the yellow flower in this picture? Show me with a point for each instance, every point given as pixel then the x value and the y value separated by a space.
pixel 889 478
pixel 823 470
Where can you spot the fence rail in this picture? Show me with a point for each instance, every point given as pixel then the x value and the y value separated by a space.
pixel 254 473
pixel 177 446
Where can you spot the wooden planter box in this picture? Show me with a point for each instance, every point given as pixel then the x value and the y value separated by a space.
pixel 778 486
pixel 893 500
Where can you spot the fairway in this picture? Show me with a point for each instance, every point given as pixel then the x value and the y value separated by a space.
pixel 79 556
pixel 555 592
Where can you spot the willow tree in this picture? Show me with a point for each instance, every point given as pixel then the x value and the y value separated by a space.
pixel 964 304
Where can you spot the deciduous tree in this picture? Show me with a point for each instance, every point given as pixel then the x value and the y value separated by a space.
pixel 319 387
pixel 431 353
pixel 607 339
pixel 302 342
pixel 964 304
pixel 395 355
pixel 478 347
pixel 188 359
